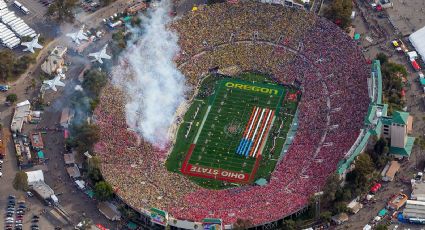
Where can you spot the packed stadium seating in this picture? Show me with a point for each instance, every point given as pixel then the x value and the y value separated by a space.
pixel 293 47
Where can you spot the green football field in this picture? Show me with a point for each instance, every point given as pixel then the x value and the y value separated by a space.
pixel 214 124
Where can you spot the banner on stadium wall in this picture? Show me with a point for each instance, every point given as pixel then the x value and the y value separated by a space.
pixel 212 224
pixel 159 216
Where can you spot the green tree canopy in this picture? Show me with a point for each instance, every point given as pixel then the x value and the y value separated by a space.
pixel 86 135
pixel 106 2
pixel 94 169
pixel 62 10
pixel 103 191
pixel 289 225
pixel 11 67
pixel 364 164
pixel 381 227
pixel 383 58
pixel 380 145
pixel 94 81
pixel 242 224
pixel 7 60
pixel 331 187
pixel 340 10
pixel 12 98
pixel 20 182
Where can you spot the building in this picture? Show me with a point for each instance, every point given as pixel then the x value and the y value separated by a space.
pixel 397 128
pixel 44 192
pixel 73 172
pixel 390 170
pixel 35 176
pixel 55 61
pixel 137 7
pixel 397 201
pixel 414 211
pixel 69 158
pixel 109 210
pixel 340 218
pixel 20 116
pixel 354 206
pixel 418 191
pixel 65 118
pixel 41 189
pixel 417 40
pixel 37 141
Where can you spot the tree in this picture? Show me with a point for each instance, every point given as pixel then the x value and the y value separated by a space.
pixel 86 135
pixel 289 225
pixel 12 98
pixel 360 178
pixel 20 182
pixel 61 10
pixel 339 12
pixel 106 2
pixel 210 2
pixel 94 81
pixel 94 169
pixel 340 207
pixel 326 216
pixel 7 60
pixel 364 164
pixel 331 187
pixel 127 212
pixel 383 58
pixel 242 224
pixel 22 64
pixel 380 145
pixel 381 227
pixel 103 191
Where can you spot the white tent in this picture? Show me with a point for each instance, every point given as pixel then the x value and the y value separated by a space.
pixel 35 176
pixel 418 41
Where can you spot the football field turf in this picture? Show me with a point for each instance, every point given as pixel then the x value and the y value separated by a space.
pixel 214 127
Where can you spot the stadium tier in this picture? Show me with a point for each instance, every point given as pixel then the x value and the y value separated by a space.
pixel 291 47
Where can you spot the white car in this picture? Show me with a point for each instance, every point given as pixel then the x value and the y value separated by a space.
pixel 1 174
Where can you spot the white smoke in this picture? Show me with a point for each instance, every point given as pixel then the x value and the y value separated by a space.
pixel 156 87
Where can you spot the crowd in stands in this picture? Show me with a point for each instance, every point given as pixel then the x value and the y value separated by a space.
pixel 294 47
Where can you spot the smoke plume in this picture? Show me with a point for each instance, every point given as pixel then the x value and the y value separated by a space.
pixel 154 85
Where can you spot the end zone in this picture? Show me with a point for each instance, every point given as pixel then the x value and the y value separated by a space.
pixel 217 173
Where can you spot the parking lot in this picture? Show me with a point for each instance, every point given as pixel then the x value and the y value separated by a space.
pixel 407 15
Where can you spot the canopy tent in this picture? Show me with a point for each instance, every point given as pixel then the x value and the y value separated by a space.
pixel 40 154
pixel 418 41
pixel 415 65
pixel 261 182
pixel 382 212
pixel 356 36
pixel 131 225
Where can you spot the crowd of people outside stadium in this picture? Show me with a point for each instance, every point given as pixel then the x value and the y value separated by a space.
pixel 291 46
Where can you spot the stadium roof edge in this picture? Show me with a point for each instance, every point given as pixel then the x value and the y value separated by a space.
pixel 370 128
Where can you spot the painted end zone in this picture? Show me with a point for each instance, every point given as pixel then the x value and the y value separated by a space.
pixel 216 173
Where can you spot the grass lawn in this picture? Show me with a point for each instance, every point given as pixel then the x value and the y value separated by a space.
pixel 217 118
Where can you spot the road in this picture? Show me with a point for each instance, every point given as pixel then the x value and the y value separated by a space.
pixel 75 202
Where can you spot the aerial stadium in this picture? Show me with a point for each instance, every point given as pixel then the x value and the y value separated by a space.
pixel 275 106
